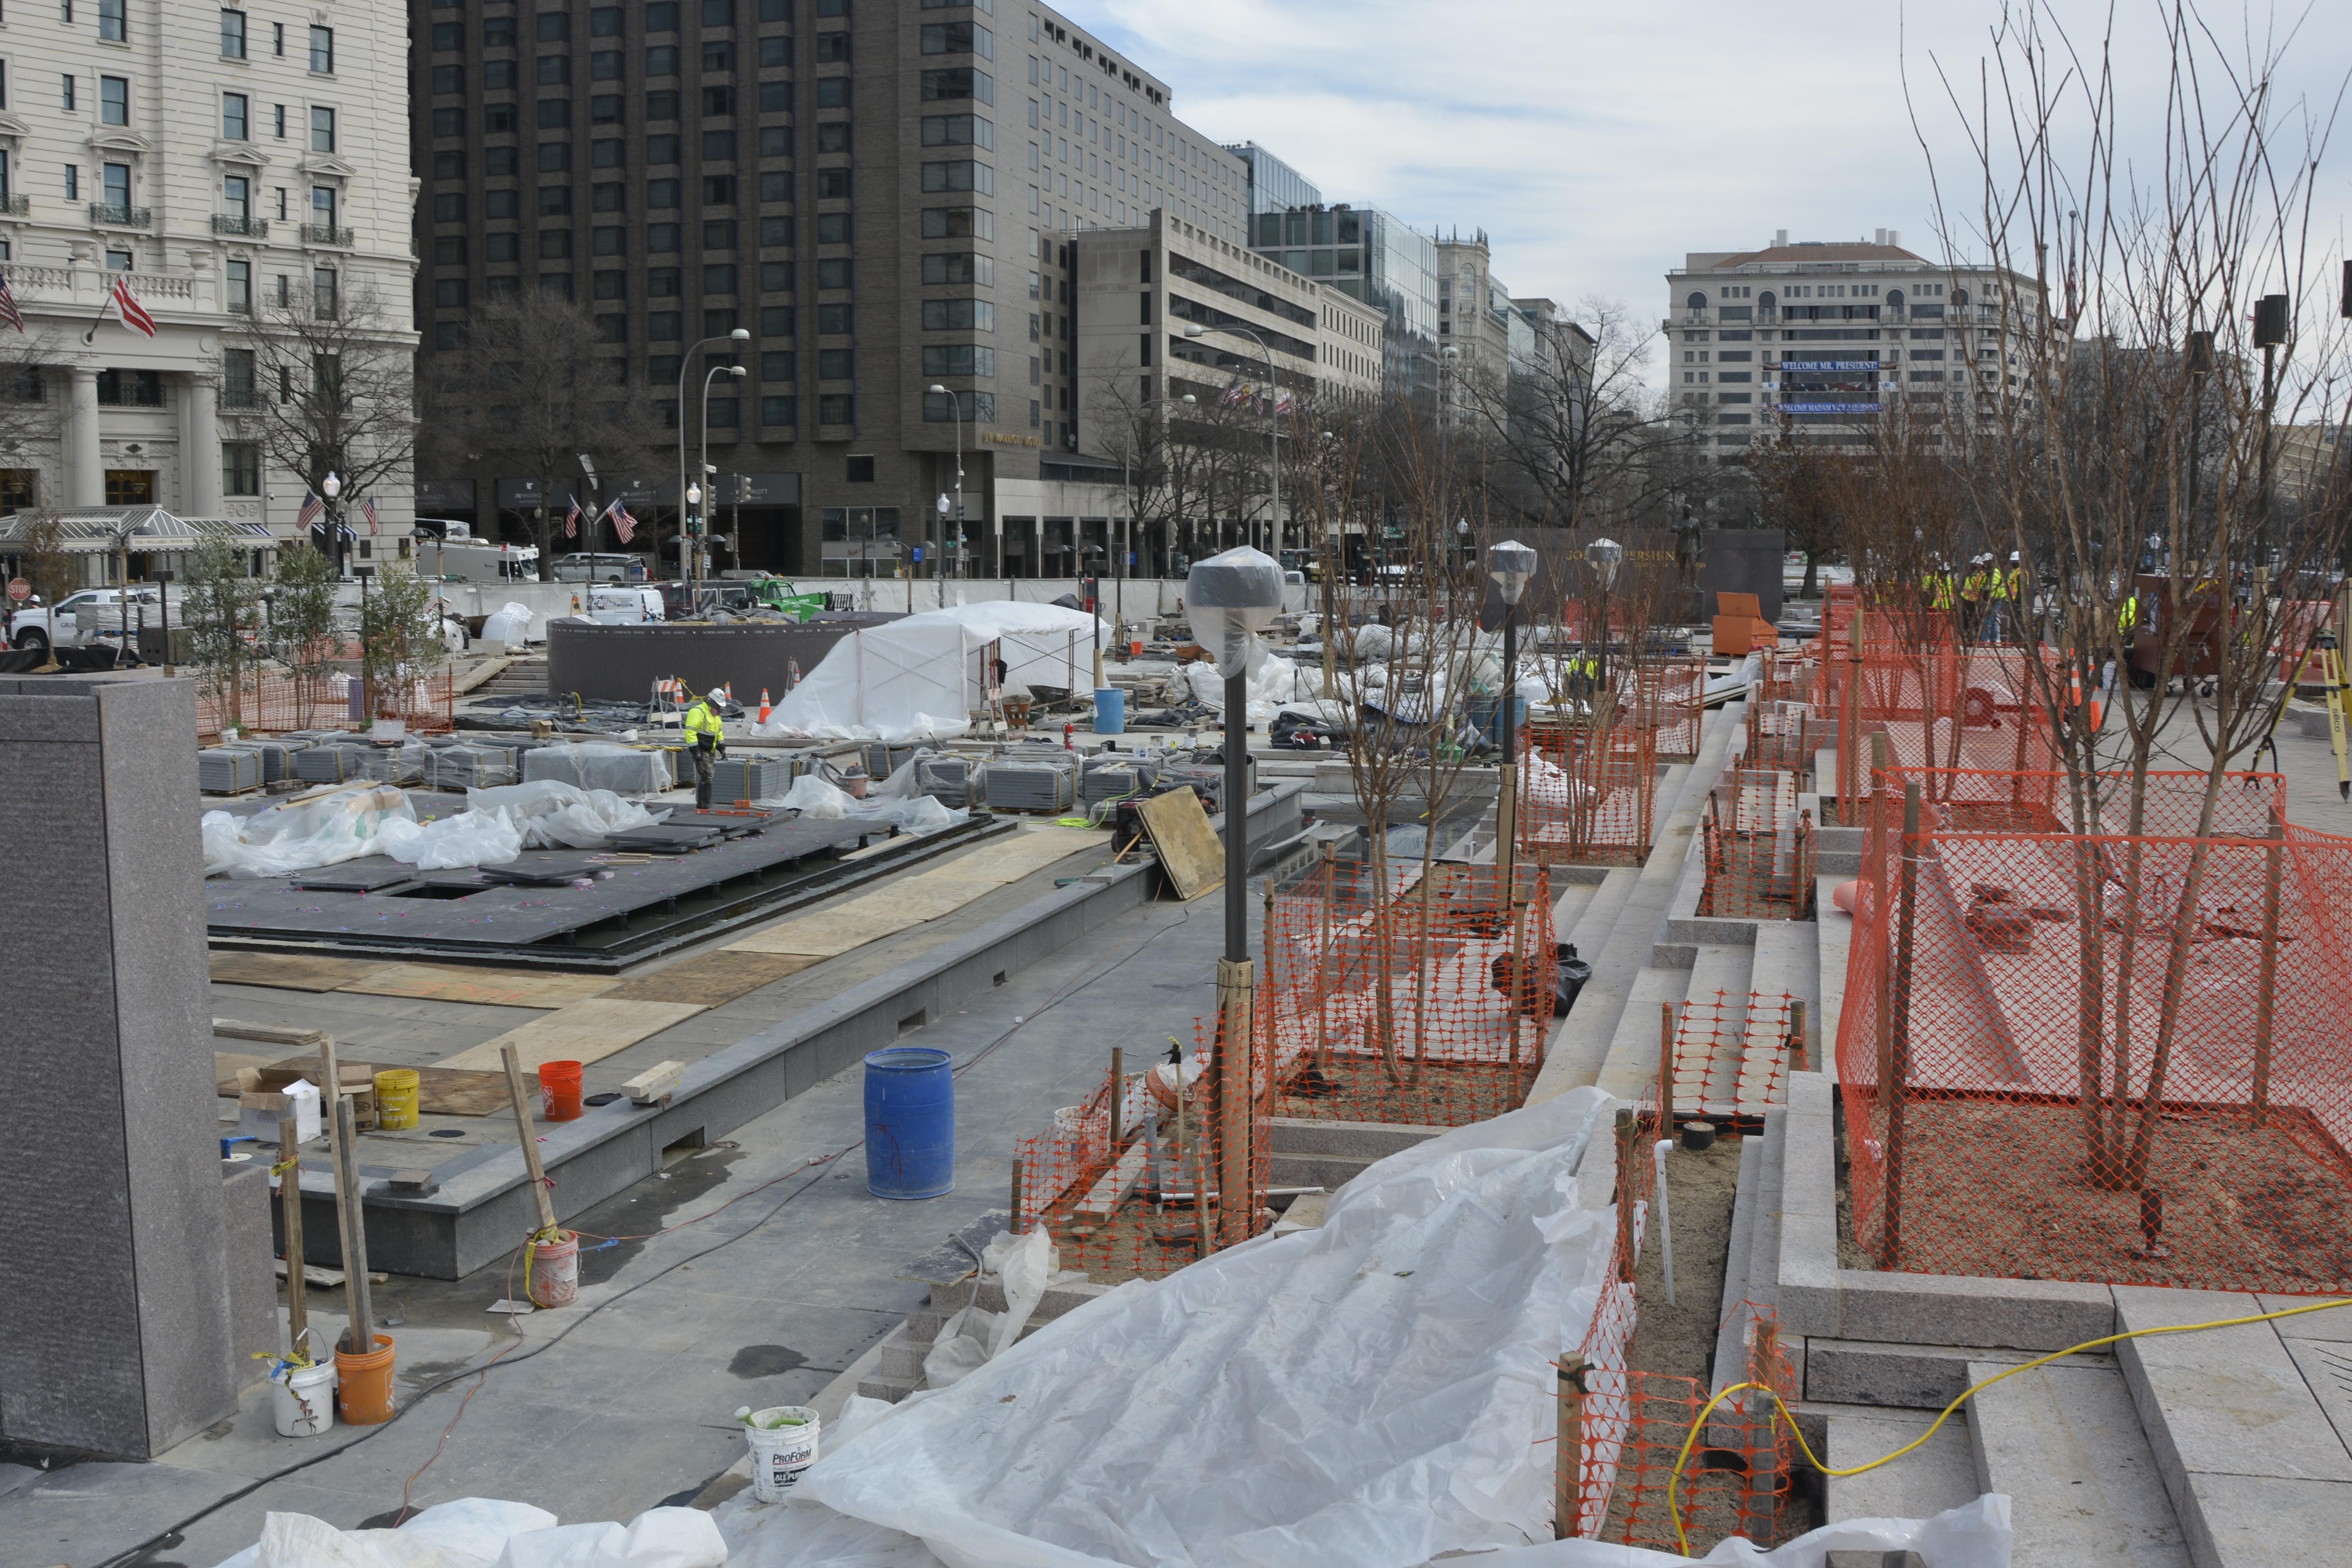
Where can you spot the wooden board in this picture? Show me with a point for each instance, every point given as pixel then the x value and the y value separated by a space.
pixel 495 987
pixel 269 1033
pixel 711 979
pixel 584 1032
pixel 1110 1188
pixel 1190 851
pixel 911 901
pixel 290 971
pixel 460 1091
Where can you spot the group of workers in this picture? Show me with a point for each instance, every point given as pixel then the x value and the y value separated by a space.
pixel 1985 602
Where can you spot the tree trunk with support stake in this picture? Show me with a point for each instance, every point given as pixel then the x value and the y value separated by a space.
pixel 1568 1459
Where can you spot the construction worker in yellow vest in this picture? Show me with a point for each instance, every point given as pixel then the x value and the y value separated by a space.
pixel 1937 585
pixel 2004 593
pixel 705 739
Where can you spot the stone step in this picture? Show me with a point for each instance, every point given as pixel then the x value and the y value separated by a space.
pixel 1590 930
pixel 1784 957
pixel 1748 1198
pixel 1631 1069
pixel 2083 1489
pixel 1062 1297
pixel 1330 1172
pixel 902 1355
pixel 1940 1474
pixel 1350 1140
pixel 1834 938
pixel 1711 1030
pixel 1906 1375
pixel 1569 906
pixel 889 1390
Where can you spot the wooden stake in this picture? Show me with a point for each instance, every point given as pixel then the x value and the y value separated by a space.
pixel 1667 1065
pixel 360 1335
pixel 1628 1144
pixel 1230 1102
pixel 1568 1455
pixel 1797 1035
pixel 530 1139
pixel 1016 1197
pixel 1894 1088
pixel 1118 1094
pixel 289 1200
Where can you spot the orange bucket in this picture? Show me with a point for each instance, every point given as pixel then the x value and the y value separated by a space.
pixel 363 1385
pixel 559 1090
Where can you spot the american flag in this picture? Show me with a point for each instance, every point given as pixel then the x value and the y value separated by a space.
pixel 572 518
pixel 135 314
pixel 8 312
pixel 367 509
pixel 312 507
pixel 622 523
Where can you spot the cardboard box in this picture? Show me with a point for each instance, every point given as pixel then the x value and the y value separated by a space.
pixel 359 1082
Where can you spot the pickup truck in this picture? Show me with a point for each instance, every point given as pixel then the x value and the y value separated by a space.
pixel 90 616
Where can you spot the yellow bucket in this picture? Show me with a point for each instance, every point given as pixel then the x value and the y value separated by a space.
pixel 395 1098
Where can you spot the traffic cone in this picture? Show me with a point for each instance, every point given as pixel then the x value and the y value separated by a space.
pixel 765 707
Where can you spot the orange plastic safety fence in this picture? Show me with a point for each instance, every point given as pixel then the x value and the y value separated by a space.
pixel 1786 675
pixel 2106 1058
pixel 1588 796
pixel 1732 1053
pixel 1781 733
pixel 1120 1193
pixel 1668 696
pixel 1760 847
pixel 269 702
pixel 1394 998
pixel 1977 708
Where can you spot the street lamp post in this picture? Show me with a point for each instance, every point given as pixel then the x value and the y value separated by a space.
pixel 1512 565
pixel 938 390
pixel 1231 597
pixel 333 485
pixel 1273 426
pixel 1604 556
pixel 739 335
pixel 702 523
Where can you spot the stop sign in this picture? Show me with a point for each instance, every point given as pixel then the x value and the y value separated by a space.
pixel 19 590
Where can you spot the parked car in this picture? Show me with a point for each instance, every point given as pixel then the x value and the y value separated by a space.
pixel 91 614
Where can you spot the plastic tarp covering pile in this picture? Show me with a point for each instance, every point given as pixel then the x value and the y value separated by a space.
pixel 497 826
pixel 893 801
pixel 483 1532
pixel 623 770
pixel 921 675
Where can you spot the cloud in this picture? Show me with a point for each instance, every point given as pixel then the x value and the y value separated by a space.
pixel 1596 143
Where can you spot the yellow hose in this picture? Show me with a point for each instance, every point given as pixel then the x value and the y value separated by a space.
pixel 1782 1413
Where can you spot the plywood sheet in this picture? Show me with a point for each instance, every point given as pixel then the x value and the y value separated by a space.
pixel 912 901
pixel 290 971
pixel 712 979
pixel 586 1031
pixel 461 1092
pixel 495 987
pixel 1189 851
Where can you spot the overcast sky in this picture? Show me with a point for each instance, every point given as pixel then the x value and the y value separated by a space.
pixel 1598 141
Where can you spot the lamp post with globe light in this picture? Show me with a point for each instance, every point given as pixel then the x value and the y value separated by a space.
pixel 1231 597
pixel 739 335
pixel 1604 556
pixel 938 390
pixel 1512 565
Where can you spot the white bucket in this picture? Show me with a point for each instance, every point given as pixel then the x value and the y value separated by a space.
pixel 780 1454
pixel 304 1399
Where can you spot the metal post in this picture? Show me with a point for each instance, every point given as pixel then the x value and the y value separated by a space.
pixel 1230 1085
pixel 1506 796
pixel 1893 1087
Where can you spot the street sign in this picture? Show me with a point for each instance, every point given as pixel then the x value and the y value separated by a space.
pixel 919 552
pixel 19 590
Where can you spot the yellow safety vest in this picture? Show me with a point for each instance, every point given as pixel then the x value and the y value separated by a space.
pixel 702 718
pixel 2128 617
pixel 2011 584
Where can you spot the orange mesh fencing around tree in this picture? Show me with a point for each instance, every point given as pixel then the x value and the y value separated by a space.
pixel 1732 1053
pixel 1588 796
pixel 2103 1057
pixel 1605 1418
pixel 1760 847
pixel 1781 733
pixel 1413 1002
pixel 1979 710
pixel 1786 674
pixel 1668 696
pixel 270 702
pixel 1116 1179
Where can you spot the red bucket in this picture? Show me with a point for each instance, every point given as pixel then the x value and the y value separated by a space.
pixel 559 1090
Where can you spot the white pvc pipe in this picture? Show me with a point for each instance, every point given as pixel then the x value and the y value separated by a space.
pixel 1665 1221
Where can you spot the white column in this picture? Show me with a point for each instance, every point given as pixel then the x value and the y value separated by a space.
pixel 200 453
pixel 85 473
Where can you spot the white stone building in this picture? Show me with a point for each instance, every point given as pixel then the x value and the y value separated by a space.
pixel 221 158
pixel 1832 337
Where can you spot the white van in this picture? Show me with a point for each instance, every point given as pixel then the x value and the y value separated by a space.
pixel 585 566
pixel 450 551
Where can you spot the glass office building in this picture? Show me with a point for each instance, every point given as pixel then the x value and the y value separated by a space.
pixel 1274 186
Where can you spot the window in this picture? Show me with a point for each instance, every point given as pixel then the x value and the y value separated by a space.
pixel 836 365
pixel 717 13
pixel 322 50
pixel 775 186
pixel 958 131
pixel 323 291
pixel 661 192
pixel 959 38
pixel 497 75
pixel 719 278
pixel 604 109
pixel 775 277
pixel 555 245
pixel 237 199
pixel 611 329
pixel 664 282
pixel 237 382
pixel 661 16
pixel 665 326
pixel 449 207
pixel 554 113
pixel 497 32
pixel 119 260
pixel 832 92
pixel 959 268
pixel 555 70
pixel 110 21
pixel 718 234
pixel 500 162
pixel 717 57
pixel 608 199
pixel 605 65
pixel 240 301
pixel 718 323
pixel 959 222
pixel 322 130
pixel 775 97
pixel 232 35
pixel 449 336
pixel 959 316
pixel 450 250
pixel 501 204
pixel 661 148
pixel 604 22
pixel 606 155
pixel 957 359
pixel 277 39
pixel 775 231
pixel 775 320
pixel 554 201
pixel 241 464
pixel 554 157
pixel 940 409
pixel 833 185
pixel 717 146
pixel 833 137
pixel 449 293
pixel 661 106
pixel 833 228
pixel 611 286
pixel 448 36
pixel 719 191
pixel 552 27
pixel 977 177
pixel 961 82
pixel 234 123
pixel 780 411
pixel 114 100
pixel 775 51
pixel 662 60
pixel 838 408
pixel 833 274
pixel 834 319
pixel 117 178
pixel 448 79
pixel 833 48
pixel 779 364
pixel 662 237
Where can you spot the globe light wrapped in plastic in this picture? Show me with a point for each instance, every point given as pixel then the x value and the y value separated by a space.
pixel 1513 566
pixel 1231 597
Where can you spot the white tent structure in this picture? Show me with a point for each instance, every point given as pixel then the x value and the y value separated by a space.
pixel 924 675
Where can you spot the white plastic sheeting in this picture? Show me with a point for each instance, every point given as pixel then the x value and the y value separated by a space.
pixel 1975 1534
pixel 552 816
pixel 922 676
pixel 1372 1392
pixel 498 825
pixel 483 1532
pixel 304 835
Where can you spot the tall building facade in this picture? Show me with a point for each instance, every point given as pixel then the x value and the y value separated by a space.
pixel 228 165
pixel 1829 337
pixel 883 193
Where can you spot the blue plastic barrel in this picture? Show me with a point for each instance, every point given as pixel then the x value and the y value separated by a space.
pixel 1110 711
pixel 909 1123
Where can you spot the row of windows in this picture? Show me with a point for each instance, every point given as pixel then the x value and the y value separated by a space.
pixel 717 57
pixel 235 35
pixel 606 22
pixel 724 277
pixel 555 200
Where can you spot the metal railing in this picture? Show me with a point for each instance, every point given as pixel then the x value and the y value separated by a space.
pixel 16 206
pixel 120 217
pixel 230 222
pixel 325 234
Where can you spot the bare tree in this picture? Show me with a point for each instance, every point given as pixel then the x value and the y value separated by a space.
pixel 1566 434
pixel 536 386
pixel 1799 486
pixel 335 387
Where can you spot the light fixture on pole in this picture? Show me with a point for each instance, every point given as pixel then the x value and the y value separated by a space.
pixel 938 390
pixel 1231 597
pixel 1604 556
pixel 1513 566
pixel 1273 426
pixel 739 335
pixel 331 487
